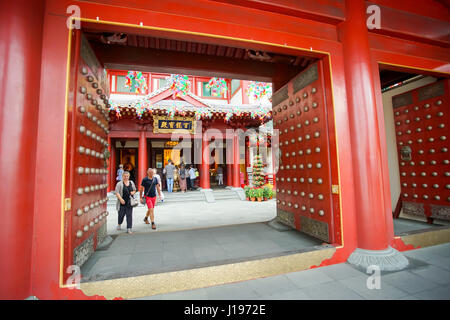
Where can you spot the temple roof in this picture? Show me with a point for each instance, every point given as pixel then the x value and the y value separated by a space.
pixel 163 101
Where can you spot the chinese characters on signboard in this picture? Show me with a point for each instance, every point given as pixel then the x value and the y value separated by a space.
pixel 169 124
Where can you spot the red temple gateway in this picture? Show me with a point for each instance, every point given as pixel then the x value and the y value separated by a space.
pixel 341 169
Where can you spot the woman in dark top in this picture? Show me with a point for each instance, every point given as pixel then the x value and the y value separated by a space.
pixel 125 189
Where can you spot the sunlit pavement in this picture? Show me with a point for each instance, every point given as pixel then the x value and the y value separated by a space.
pixel 427 278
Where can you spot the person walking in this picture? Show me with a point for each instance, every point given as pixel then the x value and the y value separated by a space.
pixel 182 177
pixel 169 172
pixel 220 175
pixel 120 173
pixel 158 177
pixel 125 189
pixel 192 177
pixel 149 187
pixel 188 179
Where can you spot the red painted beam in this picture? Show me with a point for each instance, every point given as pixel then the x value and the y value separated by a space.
pixel 332 12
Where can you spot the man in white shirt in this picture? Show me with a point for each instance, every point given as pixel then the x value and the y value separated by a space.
pixel 192 177
pixel 158 177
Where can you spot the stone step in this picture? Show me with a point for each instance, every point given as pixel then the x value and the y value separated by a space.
pixel 223 194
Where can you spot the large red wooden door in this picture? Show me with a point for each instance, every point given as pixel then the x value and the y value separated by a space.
pixel 421 122
pixel 86 155
pixel 307 178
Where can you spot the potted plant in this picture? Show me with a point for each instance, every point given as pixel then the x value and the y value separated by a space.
pixel 259 194
pixel 252 194
pixel 266 192
pixel 247 192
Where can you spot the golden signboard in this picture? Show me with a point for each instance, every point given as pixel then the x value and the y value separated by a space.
pixel 163 124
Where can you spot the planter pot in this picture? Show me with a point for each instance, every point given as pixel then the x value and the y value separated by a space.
pixel 259 199
pixel 265 199
pixel 271 197
pixel 248 198
pixel 253 199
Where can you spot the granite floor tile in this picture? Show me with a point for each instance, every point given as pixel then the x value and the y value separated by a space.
pixel 439 293
pixel 435 274
pixel 408 282
pixel 385 292
pixel 331 291
pixel 310 277
pixel 341 271
pixel 272 285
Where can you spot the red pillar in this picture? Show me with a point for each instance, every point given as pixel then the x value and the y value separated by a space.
pixel 112 165
pixel 21 24
pixel 247 157
pixel 142 160
pixel 365 136
pixel 229 174
pixel 204 166
pixel 236 162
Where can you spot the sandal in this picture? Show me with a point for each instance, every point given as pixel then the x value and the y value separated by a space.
pixel 153 226
pixel 146 220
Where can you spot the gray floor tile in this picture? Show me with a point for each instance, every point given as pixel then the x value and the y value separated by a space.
pixel 404 225
pixel 443 263
pixel 385 292
pixel 110 265
pixel 234 291
pixel 435 274
pixel 440 293
pixel 309 277
pixel 442 250
pixel 341 271
pixel 297 294
pixel 408 282
pixel 331 291
pixel 272 285
pixel 145 261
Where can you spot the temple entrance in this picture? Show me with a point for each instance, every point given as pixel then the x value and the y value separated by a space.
pixel 285 145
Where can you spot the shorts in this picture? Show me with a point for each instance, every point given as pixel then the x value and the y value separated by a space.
pixel 150 202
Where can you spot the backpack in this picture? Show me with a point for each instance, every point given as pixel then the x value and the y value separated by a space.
pixel 182 173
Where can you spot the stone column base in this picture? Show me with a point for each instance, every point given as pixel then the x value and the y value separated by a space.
pixel 387 260
pixel 240 192
pixel 209 196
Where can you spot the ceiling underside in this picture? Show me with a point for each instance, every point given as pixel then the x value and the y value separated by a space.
pixel 153 54
pixel 145 53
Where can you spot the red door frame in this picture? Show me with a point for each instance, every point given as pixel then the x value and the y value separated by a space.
pixel 47 252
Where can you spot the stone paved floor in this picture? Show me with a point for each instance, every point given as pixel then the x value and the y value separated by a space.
pixel 406 225
pixel 153 252
pixel 193 215
pixel 193 234
pixel 427 278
